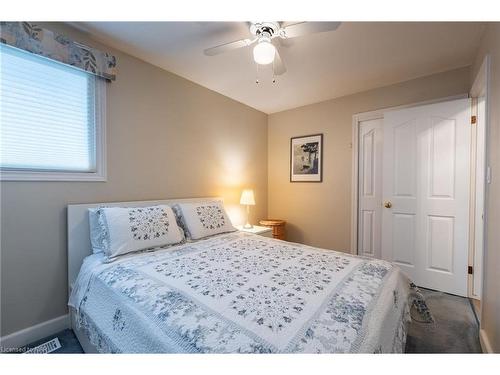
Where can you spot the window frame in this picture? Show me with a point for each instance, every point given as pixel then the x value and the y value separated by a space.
pixel 100 174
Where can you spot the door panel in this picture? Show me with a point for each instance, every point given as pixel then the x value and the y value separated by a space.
pixel 370 189
pixel 403 239
pixel 368 173
pixel 442 158
pixel 367 244
pixel 426 179
pixel 404 159
pixel 440 243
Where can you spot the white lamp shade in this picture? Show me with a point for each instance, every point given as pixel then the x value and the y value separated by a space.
pixel 263 52
pixel 247 197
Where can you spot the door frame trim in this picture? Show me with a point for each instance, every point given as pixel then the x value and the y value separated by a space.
pixel 481 85
pixel 374 115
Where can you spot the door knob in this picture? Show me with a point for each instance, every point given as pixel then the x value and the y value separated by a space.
pixel 387 204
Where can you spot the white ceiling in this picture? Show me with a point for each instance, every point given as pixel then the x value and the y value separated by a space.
pixel 358 56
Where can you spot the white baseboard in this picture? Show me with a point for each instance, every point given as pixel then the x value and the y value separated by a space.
pixel 39 331
pixel 485 342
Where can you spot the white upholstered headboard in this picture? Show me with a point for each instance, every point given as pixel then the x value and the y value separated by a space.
pixel 79 232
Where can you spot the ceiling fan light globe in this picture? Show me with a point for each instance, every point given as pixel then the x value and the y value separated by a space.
pixel 264 52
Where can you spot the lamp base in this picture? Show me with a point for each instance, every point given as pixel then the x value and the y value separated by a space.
pixel 248 225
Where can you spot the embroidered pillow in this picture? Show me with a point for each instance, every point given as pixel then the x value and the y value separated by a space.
pixel 205 219
pixel 138 228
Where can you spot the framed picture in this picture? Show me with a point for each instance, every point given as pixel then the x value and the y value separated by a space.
pixel 306 158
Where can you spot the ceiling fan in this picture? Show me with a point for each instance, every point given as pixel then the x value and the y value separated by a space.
pixel 265 52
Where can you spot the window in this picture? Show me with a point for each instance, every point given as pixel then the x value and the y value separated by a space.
pixel 51 119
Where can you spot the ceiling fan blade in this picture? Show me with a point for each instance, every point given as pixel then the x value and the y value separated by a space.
pixel 304 28
pixel 279 67
pixel 228 47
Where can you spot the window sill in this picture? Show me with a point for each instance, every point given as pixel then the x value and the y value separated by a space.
pixel 51 176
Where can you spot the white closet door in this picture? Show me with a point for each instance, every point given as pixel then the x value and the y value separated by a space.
pixel 370 188
pixel 426 193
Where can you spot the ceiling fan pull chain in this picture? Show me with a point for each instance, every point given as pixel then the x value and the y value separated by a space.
pixel 274 69
pixel 257 76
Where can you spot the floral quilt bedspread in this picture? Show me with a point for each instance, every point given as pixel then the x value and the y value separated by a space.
pixel 243 293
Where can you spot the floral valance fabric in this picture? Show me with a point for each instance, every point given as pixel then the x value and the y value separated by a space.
pixel 32 38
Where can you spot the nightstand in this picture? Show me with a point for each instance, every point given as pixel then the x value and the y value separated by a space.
pixel 261 231
pixel 278 227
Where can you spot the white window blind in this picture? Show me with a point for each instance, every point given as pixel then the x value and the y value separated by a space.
pixel 47 113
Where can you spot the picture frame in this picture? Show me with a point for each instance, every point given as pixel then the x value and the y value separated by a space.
pixel 306 158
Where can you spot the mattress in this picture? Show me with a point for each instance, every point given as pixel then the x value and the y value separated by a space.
pixel 244 293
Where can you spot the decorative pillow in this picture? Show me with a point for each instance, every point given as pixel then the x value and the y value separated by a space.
pixel 97 235
pixel 205 219
pixel 138 228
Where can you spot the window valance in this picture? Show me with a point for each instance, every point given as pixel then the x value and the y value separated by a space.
pixel 35 39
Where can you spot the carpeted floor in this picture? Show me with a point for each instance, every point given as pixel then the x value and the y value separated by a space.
pixel 455 330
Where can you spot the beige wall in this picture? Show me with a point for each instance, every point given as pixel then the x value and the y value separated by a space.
pixel 319 214
pixel 167 138
pixel 490 318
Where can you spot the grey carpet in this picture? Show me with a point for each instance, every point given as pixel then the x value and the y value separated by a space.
pixel 454 331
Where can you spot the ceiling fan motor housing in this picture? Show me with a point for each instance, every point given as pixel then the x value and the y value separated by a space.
pixel 268 29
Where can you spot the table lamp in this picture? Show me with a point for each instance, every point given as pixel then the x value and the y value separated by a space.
pixel 248 199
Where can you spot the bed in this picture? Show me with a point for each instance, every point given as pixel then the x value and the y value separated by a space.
pixel 235 293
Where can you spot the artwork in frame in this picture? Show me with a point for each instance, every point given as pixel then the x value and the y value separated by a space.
pixel 306 158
